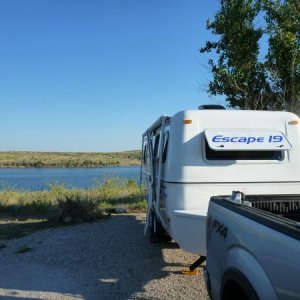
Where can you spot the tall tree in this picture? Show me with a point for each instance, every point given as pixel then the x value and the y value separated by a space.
pixel 238 74
pixel 283 59
pixel 246 81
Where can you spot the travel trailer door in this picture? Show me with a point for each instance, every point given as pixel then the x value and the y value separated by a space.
pixel 155 142
pixel 150 181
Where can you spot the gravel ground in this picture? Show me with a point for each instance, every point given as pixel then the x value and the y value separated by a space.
pixel 108 259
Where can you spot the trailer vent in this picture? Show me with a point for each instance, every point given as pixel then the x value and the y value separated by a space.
pixel 210 106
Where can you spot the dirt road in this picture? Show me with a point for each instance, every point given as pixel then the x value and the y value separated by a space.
pixel 108 259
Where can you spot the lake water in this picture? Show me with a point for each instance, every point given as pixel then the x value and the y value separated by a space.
pixel 33 179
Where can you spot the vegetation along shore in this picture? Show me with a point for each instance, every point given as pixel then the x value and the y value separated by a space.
pixel 22 212
pixel 68 159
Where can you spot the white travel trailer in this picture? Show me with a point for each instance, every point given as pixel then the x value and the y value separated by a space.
pixel 196 154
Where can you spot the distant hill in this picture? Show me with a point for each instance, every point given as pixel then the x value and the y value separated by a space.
pixel 68 159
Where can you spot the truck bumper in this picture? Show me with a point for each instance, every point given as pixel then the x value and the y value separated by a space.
pixel 207 282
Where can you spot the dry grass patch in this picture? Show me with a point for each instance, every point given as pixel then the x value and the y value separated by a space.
pixel 68 159
pixel 23 212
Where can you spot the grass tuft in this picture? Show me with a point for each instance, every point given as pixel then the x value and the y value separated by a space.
pixel 23 249
pixel 75 208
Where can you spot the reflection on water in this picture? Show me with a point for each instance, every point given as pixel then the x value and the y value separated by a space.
pixel 39 178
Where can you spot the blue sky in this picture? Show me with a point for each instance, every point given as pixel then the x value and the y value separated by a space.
pixel 93 75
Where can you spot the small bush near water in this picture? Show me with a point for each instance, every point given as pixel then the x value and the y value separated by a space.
pixel 76 209
pixel 62 205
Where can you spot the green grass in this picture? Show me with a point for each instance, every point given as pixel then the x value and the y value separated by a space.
pixel 68 159
pixel 23 212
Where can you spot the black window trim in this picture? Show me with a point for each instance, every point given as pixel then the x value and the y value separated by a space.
pixel 205 146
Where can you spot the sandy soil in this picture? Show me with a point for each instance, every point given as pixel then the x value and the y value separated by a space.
pixel 108 259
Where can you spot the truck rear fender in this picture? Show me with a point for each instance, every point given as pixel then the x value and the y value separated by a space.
pixel 241 259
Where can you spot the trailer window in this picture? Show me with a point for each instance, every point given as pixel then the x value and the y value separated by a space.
pixel 166 141
pixel 145 155
pixel 242 155
pixel 156 143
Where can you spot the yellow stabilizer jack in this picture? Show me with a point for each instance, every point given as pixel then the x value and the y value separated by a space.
pixel 192 270
pixel 189 272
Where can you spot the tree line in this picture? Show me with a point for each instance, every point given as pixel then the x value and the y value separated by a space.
pixel 248 79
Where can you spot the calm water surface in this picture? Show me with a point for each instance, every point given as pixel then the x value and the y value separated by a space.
pixel 39 178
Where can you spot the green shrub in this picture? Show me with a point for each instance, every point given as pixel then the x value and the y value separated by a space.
pixel 132 184
pixel 75 208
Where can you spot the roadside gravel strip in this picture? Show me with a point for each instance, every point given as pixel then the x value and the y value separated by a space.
pixel 108 259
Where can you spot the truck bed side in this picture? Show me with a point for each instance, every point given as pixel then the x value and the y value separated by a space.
pixel 263 247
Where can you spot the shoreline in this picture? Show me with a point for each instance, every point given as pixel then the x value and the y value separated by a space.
pixel 21 159
pixel 66 167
